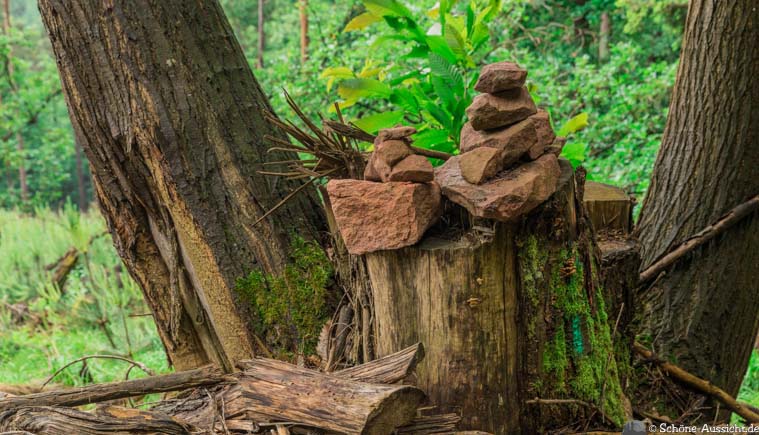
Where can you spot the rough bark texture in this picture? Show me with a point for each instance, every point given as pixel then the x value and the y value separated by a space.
pixel 706 166
pixel 505 315
pixel 163 102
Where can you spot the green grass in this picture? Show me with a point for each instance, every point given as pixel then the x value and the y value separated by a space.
pixel 98 312
pixel 749 392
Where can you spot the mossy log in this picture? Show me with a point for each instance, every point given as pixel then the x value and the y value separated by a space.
pixel 505 316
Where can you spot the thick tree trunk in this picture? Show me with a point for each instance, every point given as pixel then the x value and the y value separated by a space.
pixel 171 119
pixel 505 317
pixel 702 313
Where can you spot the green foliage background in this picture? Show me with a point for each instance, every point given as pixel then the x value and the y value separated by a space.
pixel 384 61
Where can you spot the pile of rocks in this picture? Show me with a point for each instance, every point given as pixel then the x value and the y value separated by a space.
pixel 395 204
pixel 508 163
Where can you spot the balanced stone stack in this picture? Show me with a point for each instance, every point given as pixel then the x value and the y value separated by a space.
pixel 395 204
pixel 508 163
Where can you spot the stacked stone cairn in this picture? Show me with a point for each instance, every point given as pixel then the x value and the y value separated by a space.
pixel 508 166
pixel 395 203
pixel 508 163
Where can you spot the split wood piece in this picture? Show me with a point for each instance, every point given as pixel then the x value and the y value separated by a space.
pixel 387 370
pixel 698 384
pixel 204 376
pixel 431 424
pixel 272 390
pixel 609 207
pixel 46 420
pixel 733 216
pixel 63 267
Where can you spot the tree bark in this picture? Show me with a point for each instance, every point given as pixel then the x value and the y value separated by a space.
pixel 303 6
pixel 505 317
pixel 702 312
pixel 261 35
pixel 171 119
pixel 80 180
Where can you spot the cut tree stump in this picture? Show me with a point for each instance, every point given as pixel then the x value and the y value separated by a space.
pixel 507 313
pixel 608 207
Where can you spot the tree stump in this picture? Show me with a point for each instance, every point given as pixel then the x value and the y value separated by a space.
pixel 608 207
pixel 506 313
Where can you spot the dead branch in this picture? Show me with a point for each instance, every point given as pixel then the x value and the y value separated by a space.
pixel 133 363
pixel 696 383
pixel 731 218
pixel 208 375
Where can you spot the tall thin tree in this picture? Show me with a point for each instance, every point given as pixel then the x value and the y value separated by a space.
pixel 303 7
pixel 11 71
pixel 261 35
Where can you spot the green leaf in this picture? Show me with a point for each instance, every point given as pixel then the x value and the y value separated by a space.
pixel 430 137
pixel 575 124
pixel 362 21
pixel 439 66
pixel 360 87
pixel 574 152
pixel 383 8
pixel 455 41
pixel 337 72
pixel 444 92
pixel 378 121
pixel 439 46
pixel 438 113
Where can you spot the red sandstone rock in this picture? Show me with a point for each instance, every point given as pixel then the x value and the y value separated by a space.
pixel 542 124
pixel 392 151
pixel 489 111
pixel 512 141
pixel 413 168
pixel 380 216
pixel 507 197
pixel 376 169
pixel 500 76
pixel 396 133
pixel 480 164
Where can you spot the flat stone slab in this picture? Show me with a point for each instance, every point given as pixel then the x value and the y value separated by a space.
pixel 380 216
pixel 509 196
pixel 513 141
pixel 414 168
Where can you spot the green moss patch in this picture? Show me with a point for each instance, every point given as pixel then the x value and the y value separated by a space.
pixel 290 309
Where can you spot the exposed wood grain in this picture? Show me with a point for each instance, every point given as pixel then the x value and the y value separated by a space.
pixel 387 370
pixel 609 207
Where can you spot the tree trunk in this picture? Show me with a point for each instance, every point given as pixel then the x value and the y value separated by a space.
pixel 603 38
pixel 22 176
pixel 303 5
pixel 505 317
pixel 80 180
pixel 702 312
pixel 171 119
pixel 261 36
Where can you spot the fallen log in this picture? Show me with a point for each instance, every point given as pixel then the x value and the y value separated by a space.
pixel 270 390
pixel 388 370
pixel 204 376
pixel 698 384
pixel 46 420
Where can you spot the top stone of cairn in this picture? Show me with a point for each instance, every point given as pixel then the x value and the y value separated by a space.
pixel 501 76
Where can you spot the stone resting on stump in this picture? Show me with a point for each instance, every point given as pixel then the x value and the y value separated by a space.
pixel 505 296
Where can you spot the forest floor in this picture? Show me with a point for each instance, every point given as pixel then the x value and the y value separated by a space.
pixel 100 310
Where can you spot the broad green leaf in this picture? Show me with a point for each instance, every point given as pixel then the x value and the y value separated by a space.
pixel 438 113
pixel 383 8
pixel 378 121
pixel 444 92
pixel 338 72
pixel 450 73
pixel 455 41
pixel 574 152
pixel 490 11
pixel 406 100
pixel 439 45
pixel 356 88
pixel 469 20
pixel 430 137
pixel 387 38
pixel 575 124
pixel 362 21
